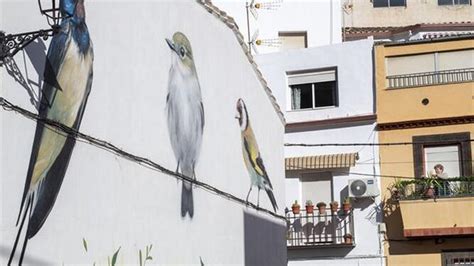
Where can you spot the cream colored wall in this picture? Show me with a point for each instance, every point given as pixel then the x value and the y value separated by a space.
pixel 363 14
pixel 405 104
pixel 442 213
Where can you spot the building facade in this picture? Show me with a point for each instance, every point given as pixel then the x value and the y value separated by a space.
pixel 424 98
pixel 284 25
pixel 393 13
pixel 328 97
pixel 114 197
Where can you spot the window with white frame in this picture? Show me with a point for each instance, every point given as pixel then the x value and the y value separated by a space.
pixel 447 156
pixel 312 90
pixel 453 2
pixel 389 3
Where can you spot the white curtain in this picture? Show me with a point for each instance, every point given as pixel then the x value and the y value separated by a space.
pixel 295 98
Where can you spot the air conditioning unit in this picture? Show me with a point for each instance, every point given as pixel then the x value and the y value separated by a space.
pixel 363 187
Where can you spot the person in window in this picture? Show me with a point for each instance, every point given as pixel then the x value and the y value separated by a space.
pixel 445 189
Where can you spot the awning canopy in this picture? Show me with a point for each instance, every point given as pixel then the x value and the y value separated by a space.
pixel 328 161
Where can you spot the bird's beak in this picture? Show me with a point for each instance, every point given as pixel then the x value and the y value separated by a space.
pixel 171 44
pixel 237 116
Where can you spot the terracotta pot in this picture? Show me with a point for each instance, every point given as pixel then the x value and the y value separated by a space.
pixel 295 209
pixel 322 209
pixel 346 207
pixel 309 209
pixel 430 192
pixel 348 239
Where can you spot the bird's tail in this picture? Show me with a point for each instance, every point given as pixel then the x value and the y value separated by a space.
pixel 272 198
pixel 25 241
pixel 187 203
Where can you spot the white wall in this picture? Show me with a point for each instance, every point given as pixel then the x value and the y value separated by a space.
pixel 320 18
pixel 356 97
pixel 354 77
pixel 112 202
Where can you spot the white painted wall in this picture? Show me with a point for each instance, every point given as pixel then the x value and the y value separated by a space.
pixel 113 202
pixel 320 18
pixel 354 70
pixel 356 97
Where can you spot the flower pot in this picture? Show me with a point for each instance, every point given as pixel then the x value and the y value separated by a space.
pixel 348 239
pixel 430 192
pixel 295 209
pixel 346 207
pixel 322 210
pixel 309 209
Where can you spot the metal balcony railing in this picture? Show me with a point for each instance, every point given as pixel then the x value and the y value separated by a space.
pixel 434 188
pixel 318 230
pixel 431 78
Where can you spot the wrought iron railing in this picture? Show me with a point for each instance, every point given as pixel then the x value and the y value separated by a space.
pixel 316 230
pixel 431 78
pixel 433 188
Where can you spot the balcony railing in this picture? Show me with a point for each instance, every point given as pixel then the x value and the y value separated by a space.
pixel 431 78
pixel 434 188
pixel 319 230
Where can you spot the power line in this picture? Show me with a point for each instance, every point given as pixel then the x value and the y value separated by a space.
pixel 368 144
pixel 70 132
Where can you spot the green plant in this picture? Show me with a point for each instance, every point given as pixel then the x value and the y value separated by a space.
pixel 347 200
pixel 147 257
pixel 114 258
pixel 295 204
pixel 309 203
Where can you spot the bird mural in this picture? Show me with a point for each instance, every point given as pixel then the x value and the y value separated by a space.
pixel 185 113
pixel 66 87
pixel 253 160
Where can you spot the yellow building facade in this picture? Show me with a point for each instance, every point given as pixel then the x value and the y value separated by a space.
pixel 425 99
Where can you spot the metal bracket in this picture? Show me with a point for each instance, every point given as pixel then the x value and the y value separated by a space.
pixel 12 43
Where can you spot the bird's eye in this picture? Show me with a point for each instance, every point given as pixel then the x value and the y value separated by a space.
pixel 182 52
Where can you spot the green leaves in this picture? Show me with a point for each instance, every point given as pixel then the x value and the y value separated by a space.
pixel 148 257
pixel 114 257
pixel 84 243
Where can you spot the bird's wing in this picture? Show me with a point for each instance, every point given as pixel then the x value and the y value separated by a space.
pixel 56 52
pixel 49 189
pixel 261 166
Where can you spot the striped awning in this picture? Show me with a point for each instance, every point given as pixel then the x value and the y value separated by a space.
pixel 341 160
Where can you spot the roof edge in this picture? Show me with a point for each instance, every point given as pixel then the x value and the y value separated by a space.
pixel 230 23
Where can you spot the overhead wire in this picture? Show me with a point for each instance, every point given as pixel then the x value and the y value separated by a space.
pixel 107 146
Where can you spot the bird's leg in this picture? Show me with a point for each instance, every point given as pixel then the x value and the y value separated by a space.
pixel 258 197
pixel 177 171
pixel 248 194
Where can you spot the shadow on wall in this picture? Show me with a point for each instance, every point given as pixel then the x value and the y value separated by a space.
pixel 264 241
pixel 36 53
pixel 28 259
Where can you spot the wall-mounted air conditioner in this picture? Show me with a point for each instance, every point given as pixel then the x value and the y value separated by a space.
pixel 363 187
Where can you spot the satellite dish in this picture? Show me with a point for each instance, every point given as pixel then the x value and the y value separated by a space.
pixel 253 9
pixel 358 188
pixel 254 42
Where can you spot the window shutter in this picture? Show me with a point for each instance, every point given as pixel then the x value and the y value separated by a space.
pixel 456 60
pixel 412 64
pixel 306 78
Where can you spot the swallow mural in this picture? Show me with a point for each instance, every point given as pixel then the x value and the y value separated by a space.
pixel 67 85
pixel 253 160
pixel 185 113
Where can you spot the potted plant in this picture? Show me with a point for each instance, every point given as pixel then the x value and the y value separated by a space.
pixel 321 207
pixel 309 207
pixel 334 206
pixel 348 239
pixel 295 208
pixel 398 187
pixel 346 205
pixel 430 184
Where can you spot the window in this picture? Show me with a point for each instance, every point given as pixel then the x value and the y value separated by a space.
pixel 465 258
pixel 453 2
pixel 313 90
pixel 316 187
pixel 430 68
pixel 389 3
pixel 453 151
pixel 293 40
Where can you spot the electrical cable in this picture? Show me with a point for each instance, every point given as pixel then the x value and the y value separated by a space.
pixel 367 144
pixel 70 132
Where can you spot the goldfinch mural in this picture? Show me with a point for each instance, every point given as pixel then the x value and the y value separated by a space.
pixel 253 160
pixel 185 114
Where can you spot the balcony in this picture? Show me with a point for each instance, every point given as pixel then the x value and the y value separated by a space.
pixel 431 78
pixel 314 230
pixel 437 209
